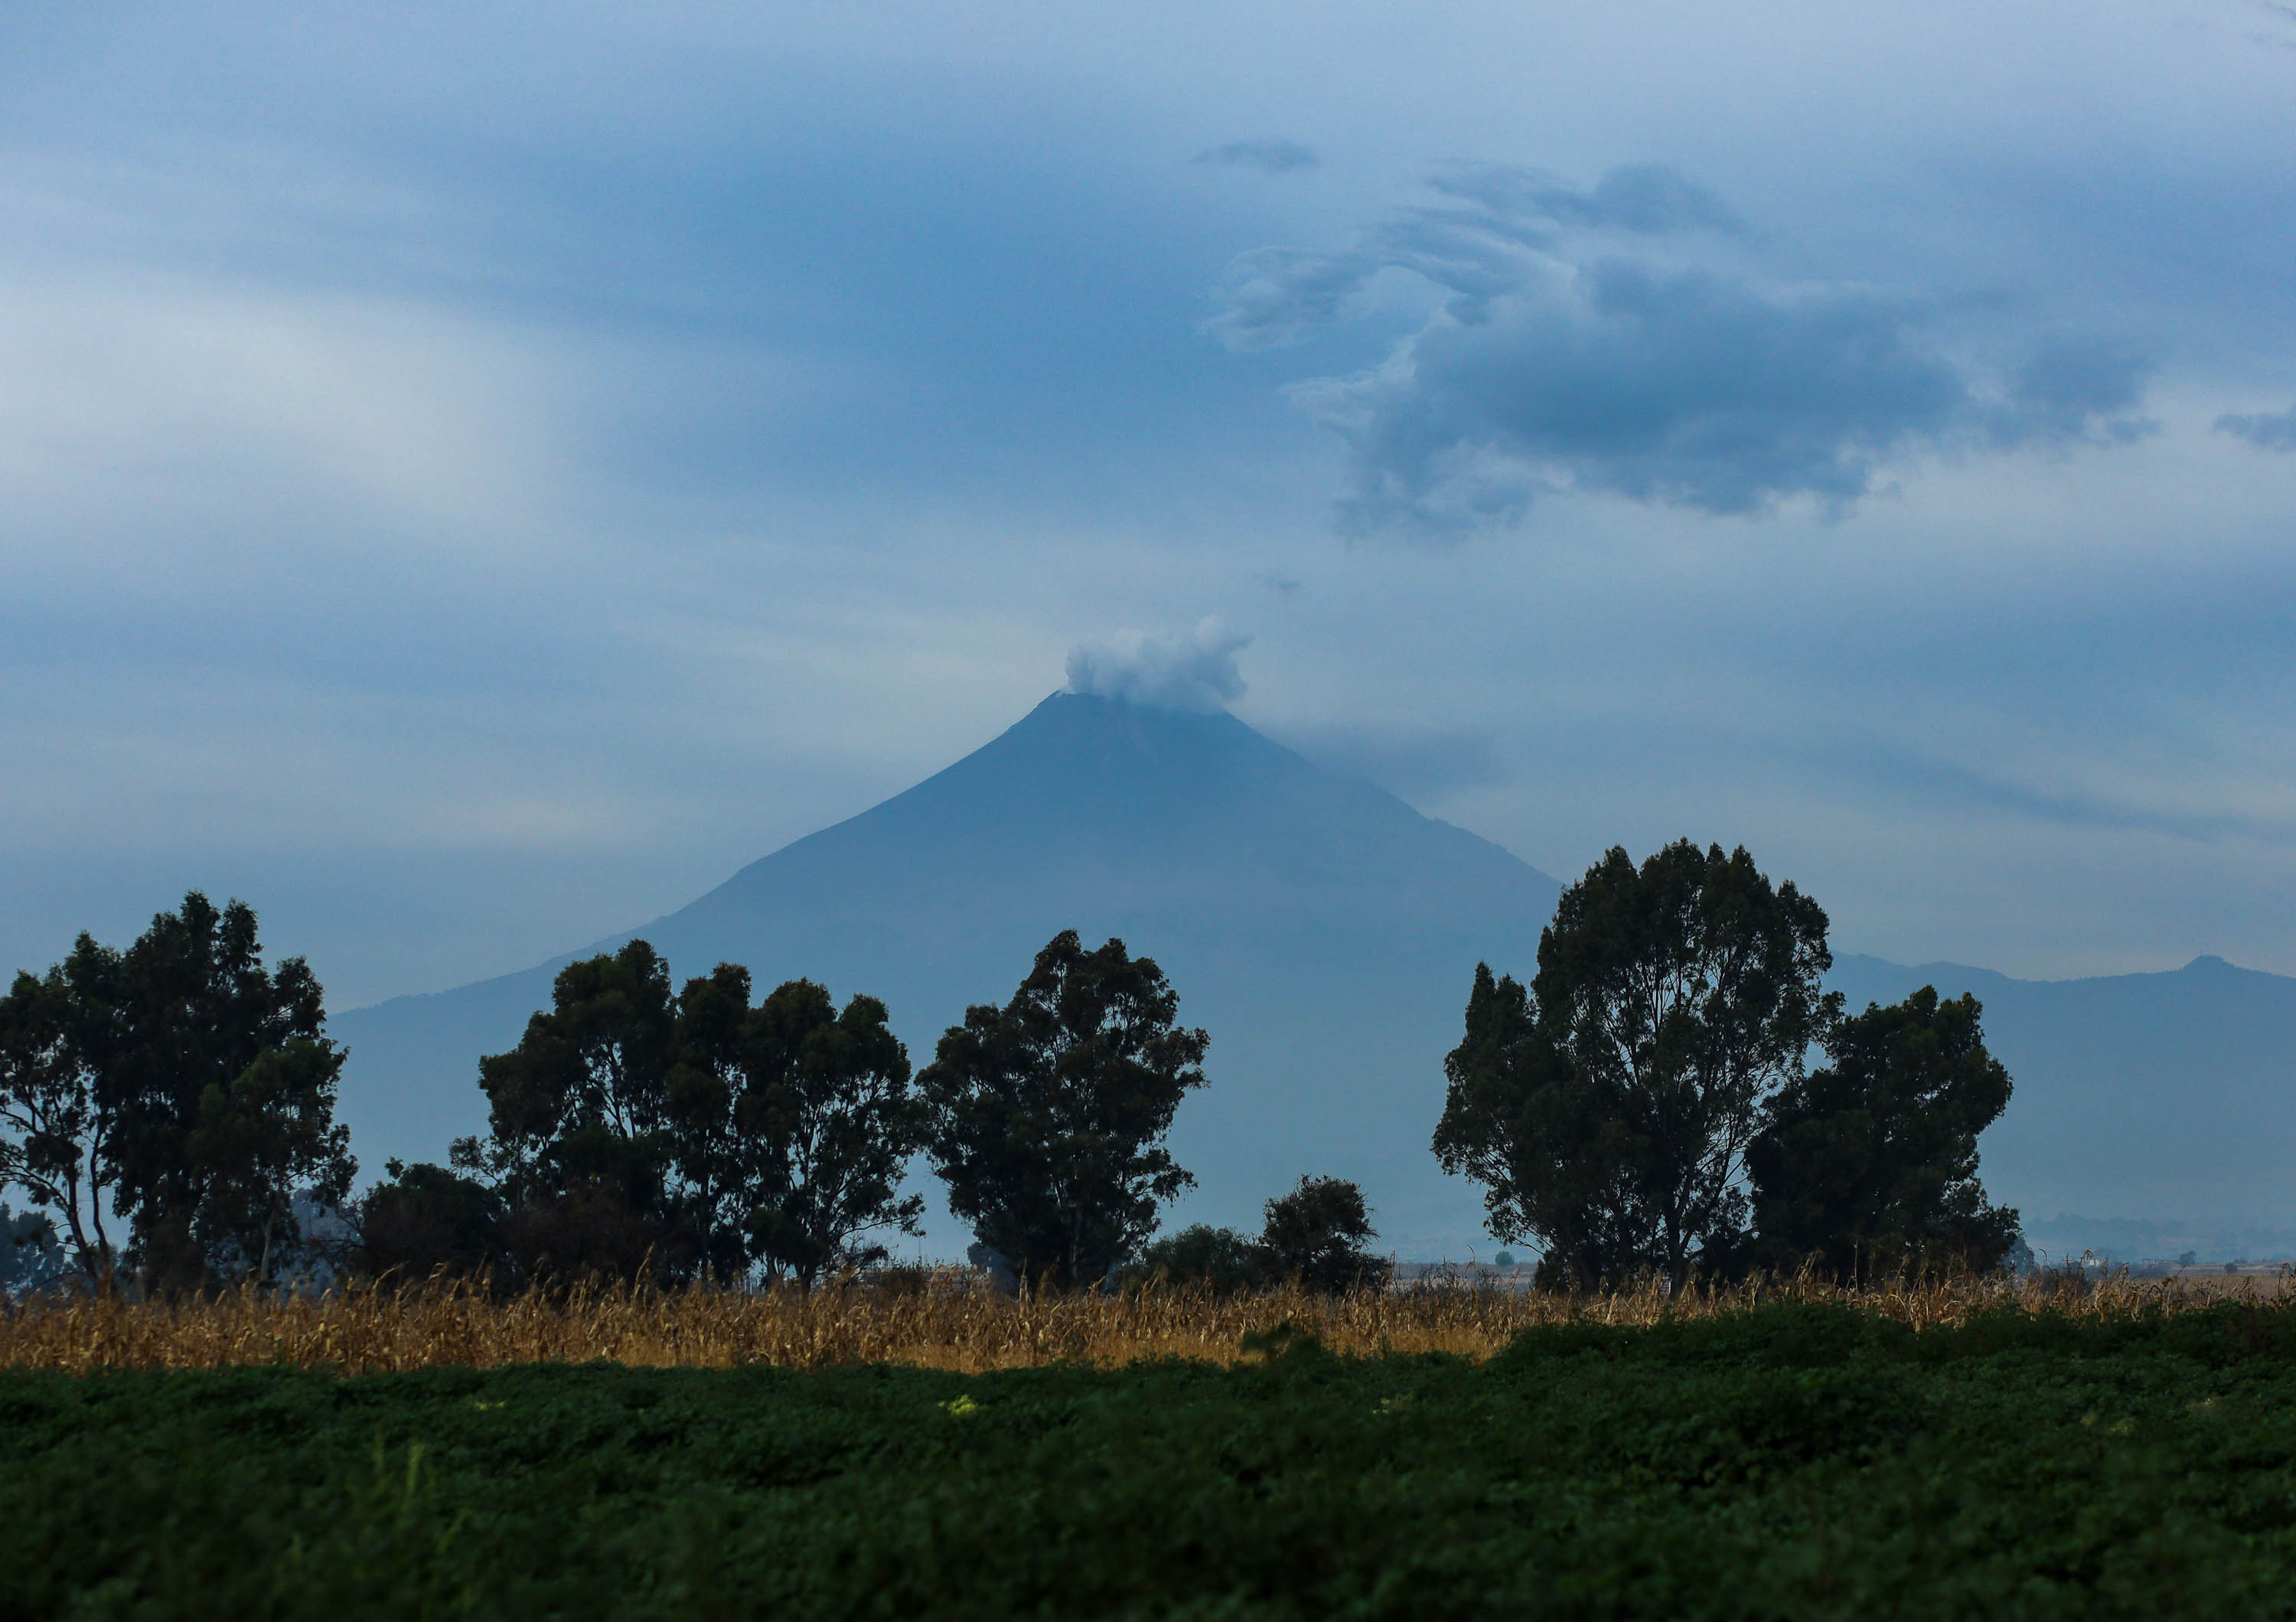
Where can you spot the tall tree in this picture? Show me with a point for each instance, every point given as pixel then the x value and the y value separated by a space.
pixel 721 1174
pixel 262 1139
pixel 578 1141
pixel 184 1084
pixel 1555 1155
pixel 833 1119
pixel 1867 1167
pixel 1609 1110
pixel 57 1140
pixel 1050 1113
pixel 703 1132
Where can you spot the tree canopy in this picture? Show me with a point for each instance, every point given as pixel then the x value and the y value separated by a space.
pixel 1608 1108
pixel 1867 1167
pixel 628 1127
pixel 1313 1236
pixel 1316 1233
pixel 827 1099
pixel 182 1084
pixel 1050 1113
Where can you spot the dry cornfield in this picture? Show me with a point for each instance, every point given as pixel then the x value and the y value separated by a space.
pixel 947 1320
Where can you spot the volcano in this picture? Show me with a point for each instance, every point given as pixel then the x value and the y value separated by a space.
pixel 1325 934
pixel 1323 931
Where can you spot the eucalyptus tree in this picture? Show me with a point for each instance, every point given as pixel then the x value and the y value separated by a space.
pixel 1050 1113
pixel 578 1138
pixel 181 1084
pixel 1867 1167
pixel 1607 1109
pixel 828 1116
pixel 691 1134
pixel 54 1138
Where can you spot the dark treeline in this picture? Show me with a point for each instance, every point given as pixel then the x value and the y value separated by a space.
pixel 1645 1105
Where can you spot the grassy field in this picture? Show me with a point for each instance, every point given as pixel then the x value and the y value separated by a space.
pixel 1971 1452
pixel 944 1320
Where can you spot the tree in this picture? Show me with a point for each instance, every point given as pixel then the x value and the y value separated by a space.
pixel 262 1139
pixel 1554 1154
pixel 1316 1234
pixel 57 1147
pixel 1607 1110
pixel 193 1009
pixel 831 1119
pixel 425 1220
pixel 1050 1113
pixel 698 1133
pixel 1867 1167
pixel 182 1084
pixel 721 1176
pixel 578 1131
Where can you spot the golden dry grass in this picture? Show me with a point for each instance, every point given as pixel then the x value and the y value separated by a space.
pixel 942 1321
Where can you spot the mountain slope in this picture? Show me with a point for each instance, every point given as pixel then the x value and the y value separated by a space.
pixel 2161 1096
pixel 1321 930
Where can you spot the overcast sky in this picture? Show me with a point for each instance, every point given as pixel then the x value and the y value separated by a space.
pixel 472 477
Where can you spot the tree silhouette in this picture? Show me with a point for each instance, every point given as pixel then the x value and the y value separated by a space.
pixel 1050 1113
pixel 181 1083
pixel 1868 1166
pixel 1316 1234
pixel 831 1121
pixel 1607 1110
pixel 577 1141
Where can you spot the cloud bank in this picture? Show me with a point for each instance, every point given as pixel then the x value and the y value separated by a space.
pixel 1624 340
pixel 1193 669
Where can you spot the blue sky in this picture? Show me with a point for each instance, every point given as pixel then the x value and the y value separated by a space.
pixel 472 477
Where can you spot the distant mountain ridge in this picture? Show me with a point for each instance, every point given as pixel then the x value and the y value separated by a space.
pixel 2163 1101
pixel 1325 933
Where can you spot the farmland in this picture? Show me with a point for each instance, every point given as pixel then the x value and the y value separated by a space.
pixel 933 1451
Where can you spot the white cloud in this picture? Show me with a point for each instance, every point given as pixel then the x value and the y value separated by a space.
pixel 1193 669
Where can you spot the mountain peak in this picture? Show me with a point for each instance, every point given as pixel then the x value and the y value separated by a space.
pixel 1322 929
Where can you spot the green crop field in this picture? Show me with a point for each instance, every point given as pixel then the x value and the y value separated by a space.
pixel 1791 1461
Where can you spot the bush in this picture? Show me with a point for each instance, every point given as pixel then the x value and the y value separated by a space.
pixel 427 1220
pixel 1203 1257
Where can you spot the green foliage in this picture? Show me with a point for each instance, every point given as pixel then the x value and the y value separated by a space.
pixel 1204 1257
pixel 628 1129
pixel 1316 1234
pixel 1868 1166
pixel 829 1115
pixel 427 1220
pixel 1049 1114
pixel 1607 1109
pixel 1806 1462
pixel 181 1083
